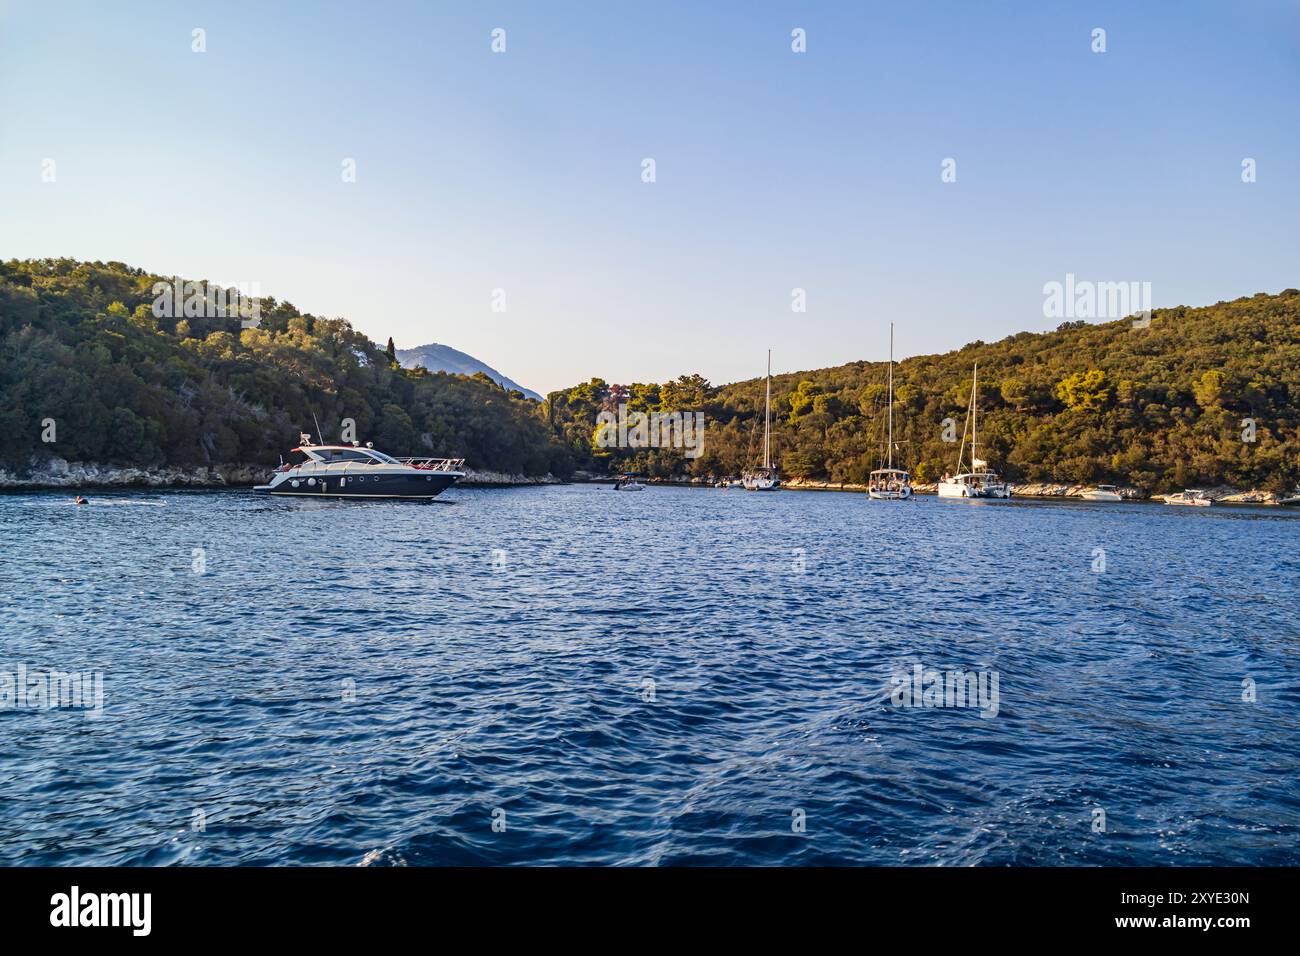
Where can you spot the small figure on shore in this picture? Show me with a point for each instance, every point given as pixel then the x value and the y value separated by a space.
pixel 80 501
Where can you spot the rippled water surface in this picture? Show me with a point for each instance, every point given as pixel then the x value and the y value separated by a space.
pixel 663 677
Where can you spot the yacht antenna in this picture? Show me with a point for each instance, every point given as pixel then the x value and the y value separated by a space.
pixel 319 437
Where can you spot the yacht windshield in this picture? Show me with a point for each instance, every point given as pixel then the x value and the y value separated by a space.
pixel 327 455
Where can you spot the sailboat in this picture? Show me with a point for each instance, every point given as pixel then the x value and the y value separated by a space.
pixel 890 483
pixel 766 478
pixel 980 481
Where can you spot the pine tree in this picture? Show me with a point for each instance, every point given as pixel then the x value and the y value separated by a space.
pixel 392 353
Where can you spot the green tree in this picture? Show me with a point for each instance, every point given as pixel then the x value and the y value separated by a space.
pixel 1208 389
pixel 1084 391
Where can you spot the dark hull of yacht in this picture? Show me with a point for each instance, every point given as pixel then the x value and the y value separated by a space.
pixel 422 485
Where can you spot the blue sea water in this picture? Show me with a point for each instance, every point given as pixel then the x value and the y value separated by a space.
pixel 676 676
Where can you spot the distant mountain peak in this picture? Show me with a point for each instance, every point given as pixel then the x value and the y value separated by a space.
pixel 443 358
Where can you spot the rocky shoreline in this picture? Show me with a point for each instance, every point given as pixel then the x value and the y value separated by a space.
pixel 57 473
pixel 497 479
pixel 1220 493
pixel 75 475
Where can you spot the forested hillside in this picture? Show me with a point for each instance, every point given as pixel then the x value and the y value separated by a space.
pixel 1157 407
pixel 80 345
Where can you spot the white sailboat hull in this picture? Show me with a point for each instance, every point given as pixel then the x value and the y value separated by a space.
pixel 889 484
pixel 974 486
pixel 901 495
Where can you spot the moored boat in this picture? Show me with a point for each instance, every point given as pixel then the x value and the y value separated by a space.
pixel 1102 493
pixel 979 481
pixel 761 479
pixel 766 478
pixel 1192 496
pixel 890 483
pixel 353 471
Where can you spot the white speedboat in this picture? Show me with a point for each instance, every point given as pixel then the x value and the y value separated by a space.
pixel 1192 496
pixel 353 471
pixel 767 478
pixel 979 481
pixel 628 483
pixel 1102 493
pixel 890 483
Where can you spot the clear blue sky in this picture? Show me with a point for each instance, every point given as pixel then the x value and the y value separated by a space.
pixel 775 170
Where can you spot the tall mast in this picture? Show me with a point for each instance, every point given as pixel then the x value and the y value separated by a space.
pixel 891 395
pixel 973 413
pixel 767 416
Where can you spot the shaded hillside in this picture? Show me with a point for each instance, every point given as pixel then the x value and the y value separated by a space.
pixel 80 345
pixel 1158 407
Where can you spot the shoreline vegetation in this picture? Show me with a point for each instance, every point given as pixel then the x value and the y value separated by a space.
pixel 94 373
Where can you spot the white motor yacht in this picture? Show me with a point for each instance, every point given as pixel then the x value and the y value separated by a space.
pixel 353 471
pixel 1102 493
pixel 1192 496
